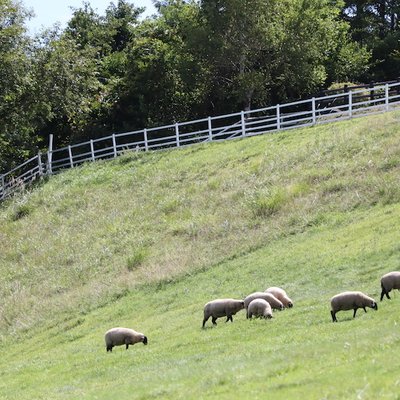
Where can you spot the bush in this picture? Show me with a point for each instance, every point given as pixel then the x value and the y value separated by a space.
pixel 136 259
pixel 266 204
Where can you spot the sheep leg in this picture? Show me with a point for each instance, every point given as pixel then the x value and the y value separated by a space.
pixel 333 316
pixel 204 321
pixel 384 292
pixel 109 348
pixel 354 314
pixel 214 321
pixel 229 318
pixel 127 346
pixel 364 309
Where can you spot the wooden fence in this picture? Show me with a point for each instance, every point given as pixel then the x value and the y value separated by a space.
pixel 367 100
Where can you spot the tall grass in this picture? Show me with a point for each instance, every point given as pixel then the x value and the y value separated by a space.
pixel 145 240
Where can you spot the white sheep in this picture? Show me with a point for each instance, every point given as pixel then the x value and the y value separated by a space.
pixel 351 301
pixel 390 281
pixel 272 300
pixel 281 295
pixel 259 308
pixel 222 308
pixel 123 336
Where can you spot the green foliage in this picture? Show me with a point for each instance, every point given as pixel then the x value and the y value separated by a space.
pixel 165 79
pixel 69 84
pixel 277 50
pixel 16 131
pixel 375 24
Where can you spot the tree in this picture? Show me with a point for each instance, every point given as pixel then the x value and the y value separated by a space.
pixel 165 81
pixel 66 85
pixel 15 81
pixel 375 24
pixel 268 51
pixel 107 39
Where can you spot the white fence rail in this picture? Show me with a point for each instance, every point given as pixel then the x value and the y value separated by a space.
pixel 317 110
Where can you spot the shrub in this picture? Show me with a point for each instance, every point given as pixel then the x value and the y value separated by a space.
pixel 136 259
pixel 20 211
pixel 266 204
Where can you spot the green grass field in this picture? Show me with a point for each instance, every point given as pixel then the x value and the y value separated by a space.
pixel 144 241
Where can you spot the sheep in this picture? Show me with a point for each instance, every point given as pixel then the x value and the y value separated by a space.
pixel 351 301
pixel 388 282
pixel 272 300
pixel 259 308
pixel 222 308
pixel 281 295
pixel 121 336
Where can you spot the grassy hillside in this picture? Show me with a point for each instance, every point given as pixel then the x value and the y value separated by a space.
pixel 145 240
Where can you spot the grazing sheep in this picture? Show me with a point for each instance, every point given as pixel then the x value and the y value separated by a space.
pixel 121 336
pixel 222 308
pixel 259 308
pixel 351 301
pixel 281 295
pixel 388 282
pixel 272 300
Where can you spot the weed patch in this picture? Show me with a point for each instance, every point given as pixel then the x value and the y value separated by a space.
pixel 137 258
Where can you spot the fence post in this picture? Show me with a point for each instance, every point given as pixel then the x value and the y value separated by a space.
pixel 314 117
pixel 387 97
pixel 146 143
pixel 92 150
pixel 40 164
pixel 50 156
pixel 177 135
pixel 210 137
pixel 243 123
pixel 114 145
pixel 278 117
pixel 371 91
pixel 71 160
pixel 350 104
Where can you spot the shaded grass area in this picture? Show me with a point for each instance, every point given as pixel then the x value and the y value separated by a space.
pixel 146 240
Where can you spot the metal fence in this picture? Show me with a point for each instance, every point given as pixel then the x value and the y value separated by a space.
pixel 317 110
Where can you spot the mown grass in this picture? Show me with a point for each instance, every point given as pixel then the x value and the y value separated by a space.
pixel 144 241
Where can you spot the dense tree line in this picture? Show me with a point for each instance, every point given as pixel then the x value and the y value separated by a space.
pixel 118 71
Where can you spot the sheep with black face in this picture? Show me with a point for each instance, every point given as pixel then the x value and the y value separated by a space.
pixel 281 295
pixel 351 301
pixel 259 308
pixel 222 308
pixel 123 336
